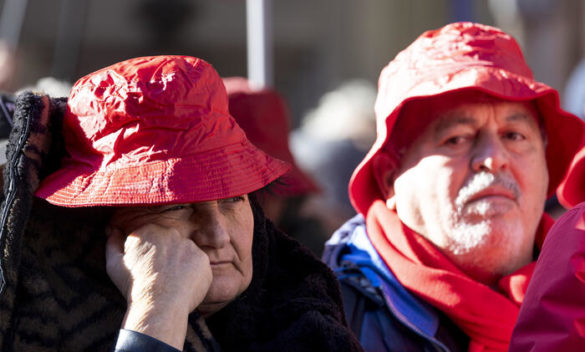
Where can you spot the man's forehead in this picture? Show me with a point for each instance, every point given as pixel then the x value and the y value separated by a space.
pixel 473 113
pixel 423 116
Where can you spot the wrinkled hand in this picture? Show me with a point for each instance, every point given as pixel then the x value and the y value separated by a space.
pixel 164 277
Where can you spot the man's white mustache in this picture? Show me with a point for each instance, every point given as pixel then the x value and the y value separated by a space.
pixel 482 181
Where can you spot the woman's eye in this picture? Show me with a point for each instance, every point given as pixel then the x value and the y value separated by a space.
pixel 174 208
pixel 232 200
pixel 235 199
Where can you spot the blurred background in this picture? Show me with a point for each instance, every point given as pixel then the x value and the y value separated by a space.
pixel 316 45
pixel 324 55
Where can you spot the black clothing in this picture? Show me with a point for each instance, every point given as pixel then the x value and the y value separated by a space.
pixel 56 295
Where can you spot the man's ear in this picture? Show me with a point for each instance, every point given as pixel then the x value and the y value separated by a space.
pixel 384 168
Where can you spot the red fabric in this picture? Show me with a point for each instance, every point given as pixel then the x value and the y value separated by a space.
pixel 572 190
pixel 462 57
pixel 485 315
pixel 552 317
pixel 154 130
pixel 263 115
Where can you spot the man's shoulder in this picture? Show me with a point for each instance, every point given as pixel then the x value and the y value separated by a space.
pixel 342 239
pixel 377 306
pixel 357 264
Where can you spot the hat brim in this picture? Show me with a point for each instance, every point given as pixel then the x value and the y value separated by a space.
pixel 222 173
pixel 296 183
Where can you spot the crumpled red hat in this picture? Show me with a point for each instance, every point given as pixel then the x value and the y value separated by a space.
pixel 263 115
pixel 460 57
pixel 154 130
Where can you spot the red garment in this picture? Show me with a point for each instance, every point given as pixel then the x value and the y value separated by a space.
pixel 572 190
pixel 461 57
pixel 552 317
pixel 485 315
pixel 154 130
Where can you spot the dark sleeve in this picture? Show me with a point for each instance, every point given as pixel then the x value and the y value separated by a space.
pixel 132 341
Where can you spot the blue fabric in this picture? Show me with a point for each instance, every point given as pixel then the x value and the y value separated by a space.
pixel 417 312
pixel 133 341
pixel 350 248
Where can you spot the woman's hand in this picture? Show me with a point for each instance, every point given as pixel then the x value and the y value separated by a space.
pixel 164 277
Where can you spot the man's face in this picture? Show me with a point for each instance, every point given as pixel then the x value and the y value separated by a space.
pixel 223 229
pixel 474 183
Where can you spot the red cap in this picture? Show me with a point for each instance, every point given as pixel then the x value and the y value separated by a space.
pixel 461 57
pixel 264 116
pixel 154 130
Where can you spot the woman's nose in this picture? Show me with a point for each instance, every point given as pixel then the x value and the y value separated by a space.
pixel 210 230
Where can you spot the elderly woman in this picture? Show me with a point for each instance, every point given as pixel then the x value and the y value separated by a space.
pixel 162 180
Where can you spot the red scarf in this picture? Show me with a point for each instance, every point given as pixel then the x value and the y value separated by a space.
pixel 485 315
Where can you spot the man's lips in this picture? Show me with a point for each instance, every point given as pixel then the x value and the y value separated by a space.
pixel 492 192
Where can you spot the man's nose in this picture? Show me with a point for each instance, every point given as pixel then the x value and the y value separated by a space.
pixel 489 154
pixel 210 230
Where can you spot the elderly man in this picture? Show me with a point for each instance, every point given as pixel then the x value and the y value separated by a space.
pixel 451 195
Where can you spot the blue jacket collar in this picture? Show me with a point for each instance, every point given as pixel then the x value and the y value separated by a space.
pixel 350 244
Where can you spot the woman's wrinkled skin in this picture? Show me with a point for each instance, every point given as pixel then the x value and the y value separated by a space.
pixel 198 255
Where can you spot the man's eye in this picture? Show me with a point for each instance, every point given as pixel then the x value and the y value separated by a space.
pixel 514 136
pixel 457 140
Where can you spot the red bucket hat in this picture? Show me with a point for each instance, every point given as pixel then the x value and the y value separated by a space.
pixel 264 116
pixel 463 57
pixel 154 130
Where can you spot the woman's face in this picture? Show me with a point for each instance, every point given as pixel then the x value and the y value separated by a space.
pixel 222 228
